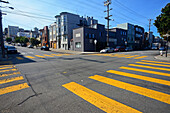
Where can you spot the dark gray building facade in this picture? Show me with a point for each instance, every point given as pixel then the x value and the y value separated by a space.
pixel 83 38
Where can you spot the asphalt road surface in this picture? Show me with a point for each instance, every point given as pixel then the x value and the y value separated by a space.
pixel 36 81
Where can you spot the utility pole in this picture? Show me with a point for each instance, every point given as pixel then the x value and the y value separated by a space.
pixel 1 36
pixel 167 35
pixel 107 3
pixel 150 27
pixel 1 28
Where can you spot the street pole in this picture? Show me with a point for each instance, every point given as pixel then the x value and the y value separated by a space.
pixel 1 36
pixel 107 3
pixel 167 35
pixel 1 31
pixel 150 28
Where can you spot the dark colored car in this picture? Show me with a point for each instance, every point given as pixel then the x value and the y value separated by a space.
pixel 45 48
pixel 162 49
pixel 11 49
pixel 120 48
pixel 23 45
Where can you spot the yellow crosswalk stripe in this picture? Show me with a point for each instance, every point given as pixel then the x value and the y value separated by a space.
pixel 150 67
pixel 11 79
pixel 118 55
pixel 30 57
pixel 132 56
pixel 6 67
pixel 8 70
pixel 145 71
pixel 40 56
pixel 133 88
pixel 150 79
pixel 140 57
pixel 19 58
pixel 155 62
pixel 13 88
pixel 48 55
pixel 56 54
pixel 15 73
pixel 102 102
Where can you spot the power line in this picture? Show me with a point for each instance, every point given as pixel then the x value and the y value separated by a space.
pixel 130 10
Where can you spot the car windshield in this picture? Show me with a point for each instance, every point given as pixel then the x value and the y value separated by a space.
pixel 118 47
pixel 11 47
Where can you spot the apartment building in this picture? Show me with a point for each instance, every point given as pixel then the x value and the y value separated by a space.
pixel 12 31
pixel 65 23
pixel 135 35
pixel 52 36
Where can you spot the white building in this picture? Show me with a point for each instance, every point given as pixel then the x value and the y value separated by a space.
pixel 12 31
pixel 23 34
pixel 52 36
pixel 65 23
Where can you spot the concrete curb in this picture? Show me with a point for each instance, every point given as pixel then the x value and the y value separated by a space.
pixel 162 58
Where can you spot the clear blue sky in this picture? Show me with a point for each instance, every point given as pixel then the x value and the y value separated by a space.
pixel 131 11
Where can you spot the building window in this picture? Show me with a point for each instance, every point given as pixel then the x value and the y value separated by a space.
pixel 78 35
pixel 59 21
pixel 59 30
pixel 64 28
pixel 93 36
pixel 100 34
pixel 78 44
pixel 89 35
pixel 64 38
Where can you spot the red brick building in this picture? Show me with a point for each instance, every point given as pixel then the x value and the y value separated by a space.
pixel 45 37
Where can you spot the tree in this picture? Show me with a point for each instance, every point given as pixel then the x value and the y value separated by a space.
pixel 17 40
pixel 8 39
pixel 34 42
pixel 162 22
pixel 24 40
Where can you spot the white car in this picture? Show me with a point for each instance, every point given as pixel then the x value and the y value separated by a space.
pixel 107 50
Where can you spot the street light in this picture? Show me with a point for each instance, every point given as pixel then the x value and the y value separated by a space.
pixel 95 42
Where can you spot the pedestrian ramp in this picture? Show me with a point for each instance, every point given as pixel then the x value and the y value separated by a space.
pixel 128 56
pixel 147 71
pixel 9 74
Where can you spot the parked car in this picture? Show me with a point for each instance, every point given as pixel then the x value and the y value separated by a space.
pixel 18 44
pixel 119 48
pixel 11 49
pixel 30 46
pixel 128 49
pixel 107 50
pixel 23 45
pixel 162 49
pixel 154 47
pixel 45 48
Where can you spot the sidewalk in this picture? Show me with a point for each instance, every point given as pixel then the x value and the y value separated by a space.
pixel 163 57
pixel 72 52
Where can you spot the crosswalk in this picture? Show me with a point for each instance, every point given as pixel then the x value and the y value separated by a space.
pixel 128 56
pixel 9 74
pixel 144 69
pixel 43 56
